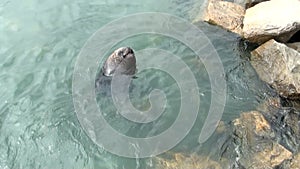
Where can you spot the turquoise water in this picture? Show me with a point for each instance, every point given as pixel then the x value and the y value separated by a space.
pixel 40 41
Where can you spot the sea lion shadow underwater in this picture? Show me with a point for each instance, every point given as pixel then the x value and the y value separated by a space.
pixel 120 65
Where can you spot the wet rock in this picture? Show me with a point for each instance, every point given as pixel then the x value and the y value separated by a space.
pixel 252 123
pixel 221 128
pixel 182 161
pixel 248 3
pixel 256 144
pixel 274 102
pixel 275 19
pixel 285 122
pixel 279 66
pixel 291 103
pixel 228 15
pixel 293 163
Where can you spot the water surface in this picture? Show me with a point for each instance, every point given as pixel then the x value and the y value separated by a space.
pixel 40 41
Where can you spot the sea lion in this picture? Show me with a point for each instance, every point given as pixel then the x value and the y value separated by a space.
pixel 121 61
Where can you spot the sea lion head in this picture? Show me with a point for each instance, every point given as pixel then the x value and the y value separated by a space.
pixel 121 61
pixel 125 52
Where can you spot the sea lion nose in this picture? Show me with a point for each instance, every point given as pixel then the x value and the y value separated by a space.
pixel 130 51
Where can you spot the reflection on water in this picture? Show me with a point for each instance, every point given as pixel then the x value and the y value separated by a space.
pixel 39 44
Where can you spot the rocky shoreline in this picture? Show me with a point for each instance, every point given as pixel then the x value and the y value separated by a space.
pixel 269 19
pixel 269 137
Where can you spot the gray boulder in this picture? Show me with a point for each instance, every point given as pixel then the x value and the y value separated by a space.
pixel 295 45
pixel 225 14
pixel 248 3
pixel 279 66
pixel 275 19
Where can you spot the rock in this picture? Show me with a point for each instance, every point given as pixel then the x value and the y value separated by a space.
pixel 295 104
pixel 269 102
pixel 222 127
pixel 291 164
pixel 295 45
pixel 285 122
pixel 182 161
pixel 295 162
pixel 254 125
pixel 248 3
pixel 275 19
pixel 256 144
pixel 228 15
pixel 255 121
pixel 279 66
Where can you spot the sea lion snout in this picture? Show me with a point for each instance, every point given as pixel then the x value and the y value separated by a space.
pixel 125 51
pixel 121 61
pixel 129 50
